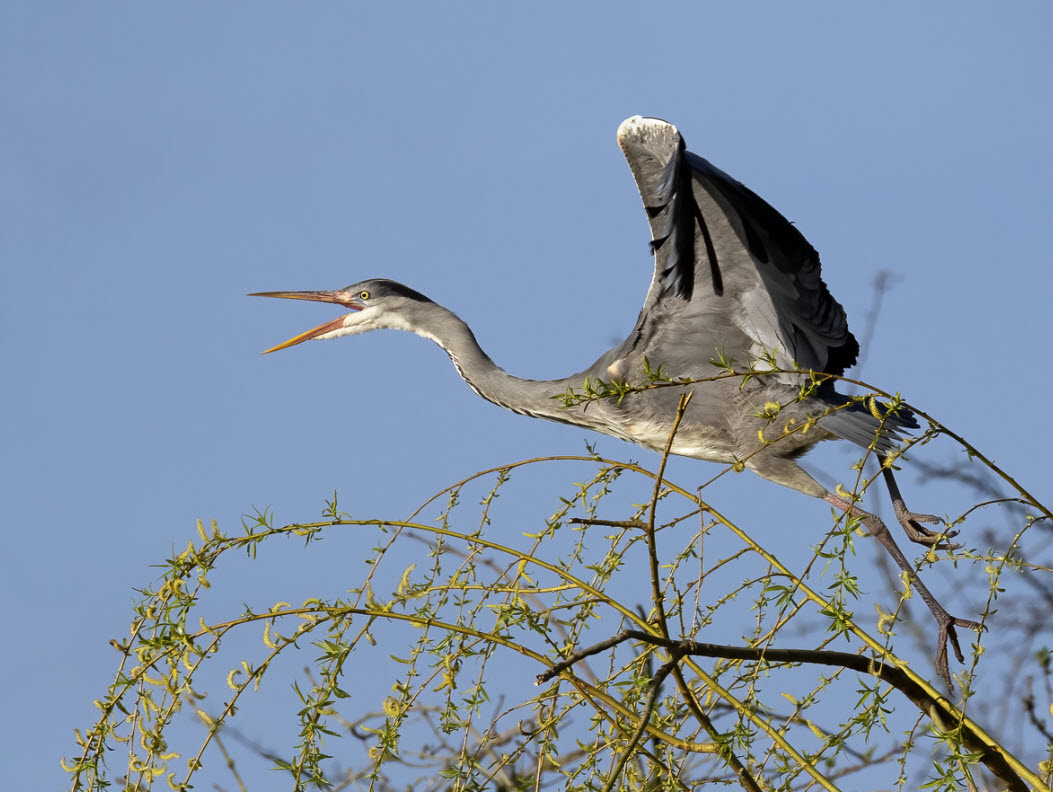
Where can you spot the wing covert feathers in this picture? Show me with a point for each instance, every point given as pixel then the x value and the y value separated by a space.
pixel 725 258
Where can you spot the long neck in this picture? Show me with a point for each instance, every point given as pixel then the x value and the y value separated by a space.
pixel 527 397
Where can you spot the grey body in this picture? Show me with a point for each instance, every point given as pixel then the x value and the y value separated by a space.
pixel 719 425
pixel 733 280
pixel 732 277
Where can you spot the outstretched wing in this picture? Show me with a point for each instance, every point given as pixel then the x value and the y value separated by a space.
pixel 732 275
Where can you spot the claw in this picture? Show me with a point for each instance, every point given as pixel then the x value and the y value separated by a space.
pixel 947 635
pixel 926 518
pixel 919 534
pixel 912 521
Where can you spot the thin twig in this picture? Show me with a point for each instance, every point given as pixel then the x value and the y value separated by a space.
pixel 652 545
pixel 938 709
pixel 645 716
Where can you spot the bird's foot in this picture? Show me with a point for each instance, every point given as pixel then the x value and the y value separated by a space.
pixel 948 634
pixel 912 521
pixel 918 533
pixel 946 623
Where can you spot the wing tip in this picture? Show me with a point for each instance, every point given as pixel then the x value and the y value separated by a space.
pixel 652 148
pixel 633 130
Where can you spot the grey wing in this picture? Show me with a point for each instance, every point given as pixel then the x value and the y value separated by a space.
pixel 732 275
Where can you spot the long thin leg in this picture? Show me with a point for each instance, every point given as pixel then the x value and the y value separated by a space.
pixel 786 472
pixel 911 521
pixel 944 620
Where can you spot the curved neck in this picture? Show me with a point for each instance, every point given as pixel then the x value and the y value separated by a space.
pixel 486 378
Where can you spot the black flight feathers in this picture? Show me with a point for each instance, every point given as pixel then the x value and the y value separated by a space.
pixel 770 238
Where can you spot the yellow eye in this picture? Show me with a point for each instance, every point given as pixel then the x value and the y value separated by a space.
pixel 363 295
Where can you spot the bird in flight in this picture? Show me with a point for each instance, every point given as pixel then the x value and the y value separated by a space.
pixel 734 283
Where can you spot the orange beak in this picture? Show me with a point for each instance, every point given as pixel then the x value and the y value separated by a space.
pixel 338 296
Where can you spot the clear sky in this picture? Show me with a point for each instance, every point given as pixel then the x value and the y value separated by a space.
pixel 159 161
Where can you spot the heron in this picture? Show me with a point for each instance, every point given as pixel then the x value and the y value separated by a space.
pixel 734 282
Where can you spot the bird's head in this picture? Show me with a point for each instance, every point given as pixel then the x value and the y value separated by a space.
pixel 375 304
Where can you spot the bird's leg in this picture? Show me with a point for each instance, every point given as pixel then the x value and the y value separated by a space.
pixel 944 620
pixel 911 521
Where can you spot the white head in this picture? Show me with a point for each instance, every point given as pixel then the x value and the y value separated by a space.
pixel 375 304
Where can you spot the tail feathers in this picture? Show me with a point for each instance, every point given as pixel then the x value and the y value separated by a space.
pixel 858 424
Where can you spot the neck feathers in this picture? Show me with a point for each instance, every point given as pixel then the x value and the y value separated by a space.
pixel 486 378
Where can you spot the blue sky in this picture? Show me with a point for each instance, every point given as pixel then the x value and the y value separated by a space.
pixel 161 161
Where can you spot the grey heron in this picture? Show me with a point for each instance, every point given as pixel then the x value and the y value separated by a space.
pixel 734 281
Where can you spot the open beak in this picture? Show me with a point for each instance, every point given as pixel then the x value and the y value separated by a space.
pixel 339 296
